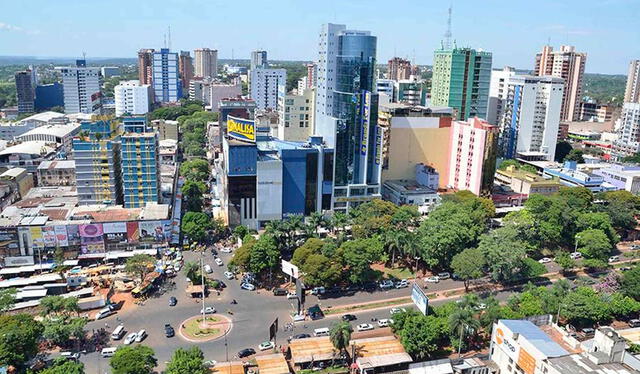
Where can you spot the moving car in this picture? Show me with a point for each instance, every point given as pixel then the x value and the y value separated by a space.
pixel 208 310
pixel 219 262
pixel 402 283
pixel 323 331
pixel 229 275
pixel 385 322
pixel 207 269
pixel 301 336
pixel 226 249
pixel 634 323
pixel 246 352
pixel 386 284
pixel 444 275
pixel 168 331
pixel 434 279
pixel 614 259
pixel 75 356
pixel 279 292
pixel 141 335
pixel 248 286
pixel 544 260
pixel 130 338
pixel 173 301
pixel 292 295
pixel 397 310
pixel 364 327
pixel 318 291
pixel 266 346
pixel 349 317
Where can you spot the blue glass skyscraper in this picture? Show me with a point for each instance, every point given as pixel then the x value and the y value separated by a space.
pixel 167 87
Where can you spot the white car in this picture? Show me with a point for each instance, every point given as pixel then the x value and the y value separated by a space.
pixel 210 363
pixel 226 249
pixel 266 346
pixel 402 284
pixel 229 275
pixel 219 262
pixel 141 335
pixel 130 338
pixel 385 322
pixel 248 286
pixel 614 259
pixel 292 295
pixel 434 279
pixel 397 310
pixel 575 255
pixel 364 327
pixel 207 269
pixel 208 310
pixel 544 260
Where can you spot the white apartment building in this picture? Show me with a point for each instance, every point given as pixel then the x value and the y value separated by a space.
pixel 81 88
pixel 531 117
pixel 302 84
pixel 498 93
pixel 132 97
pixel 199 89
pixel 258 59
pixel 264 87
pixel 206 62
pixel 295 115
pixel 385 86
pixel 628 126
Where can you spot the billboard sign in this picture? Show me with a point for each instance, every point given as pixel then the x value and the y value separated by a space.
pixel 419 299
pixel 91 236
pixel 9 241
pixel 61 235
pixel 115 232
pixel 364 132
pixel 19 261
pixel 290 269
pixel 73 234
pixel 151 231
pixel 133 232
pixel 37 241
pixel 241 129
pixel 49 236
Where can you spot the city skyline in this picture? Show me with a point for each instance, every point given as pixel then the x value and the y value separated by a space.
pixel 289 29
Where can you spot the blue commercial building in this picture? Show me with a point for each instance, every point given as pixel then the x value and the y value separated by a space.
pixel 140 163
pixel 167 87
pixel 569 176
pixel 49 95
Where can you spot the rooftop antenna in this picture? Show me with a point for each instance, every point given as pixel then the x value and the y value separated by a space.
pixel 549 40
pixel 447 34
pixel 169 36
pixel 165 40
pixel 84 55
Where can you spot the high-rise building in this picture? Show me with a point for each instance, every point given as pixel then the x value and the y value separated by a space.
pixel 185 67
pixel 408 91
pixel 140 163
pixel 531 117
pixel 386 87
pixel 81 87
pixel 302 84
pixel 145 66
pixel 398 69
pixel 568 65
pixel 49 95
pixel 498 93
pixel 264 86
pixel 632 91
pixel 206 62
pixel 347 113
pixel 295 114
pixel 472 161
pixel 132 97
pixel 166 82
pixel 312 75
pixel 98 169
pixel 628 142
pixel 258 59
pixel 25 91
pixel 461 78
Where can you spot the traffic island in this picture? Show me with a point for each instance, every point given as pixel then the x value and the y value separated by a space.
pixel 195 329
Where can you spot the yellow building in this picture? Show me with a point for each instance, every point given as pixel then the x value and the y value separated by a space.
pixel 526 183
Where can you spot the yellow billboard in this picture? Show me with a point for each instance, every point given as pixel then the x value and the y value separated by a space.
pixel 242 129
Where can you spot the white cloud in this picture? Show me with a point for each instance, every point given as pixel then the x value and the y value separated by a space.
pixel 13 28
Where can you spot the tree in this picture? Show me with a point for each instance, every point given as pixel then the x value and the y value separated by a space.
pixel 319 270
pixel 196 169
pixel 140 265
pixel 598 220
pixel 193 272
pixel 339 221
pixel 575 155
pixel 137 359
pixel 593 244
pixel 468 265
pixel 7 299
pixel 422 336
pixel 61 330
pixel 64 366
pixel 358 255
pixel 311 246
pixel 53 305
pixel 630 284
pixel 187 361
pixel 340 335
pixel 621 305
pixel 532 268
pixel 192 192
pixel 315 221
pixel 264 255
pixel 504 252
pixel 562 150
pixel 462 323
pixel 565 261
pixel 19 335
pixel 195 225
pixel 634 159
pixel 510 162
pixel 242 256
pixel 240 231
pixel 584 307
pixel 621 207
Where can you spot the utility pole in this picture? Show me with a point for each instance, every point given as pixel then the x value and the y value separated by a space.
pixel 204 321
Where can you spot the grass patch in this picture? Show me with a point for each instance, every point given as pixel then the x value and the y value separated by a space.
pixel 360 307
pixel 192 328
pixel 399 273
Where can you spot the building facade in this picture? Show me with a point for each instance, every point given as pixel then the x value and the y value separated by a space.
pixel 461 78
pixel 472 158
pixel 264 86
pixel 347 113
pixel 185 67
pixel 569 175
pixel 531 116
pixel 594 112
pixel 140 163
pixel 295 115
pixel 25 91
pixel 258 59
pixel 632 90
pixel 498 89
pixel 131 97
pixel 386 87
pixel 568 65
pixel 145 66
pixel 49 96
pixel 628 142
pixel 206 62
pixel 219 91
pixel 81 86
pixel 526 183
pixel 166 129
pixel 166 82
pixel 398 69
pixel 408 91
pixel 57 173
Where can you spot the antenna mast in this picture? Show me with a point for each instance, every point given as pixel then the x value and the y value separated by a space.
pixel 447 34
pixel 169 37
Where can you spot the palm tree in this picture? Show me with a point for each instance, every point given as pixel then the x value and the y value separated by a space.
pixel 316 220
pixel 394 241
pixel 464 321
pixel 339 221
pixel 412 248
pixel 340 335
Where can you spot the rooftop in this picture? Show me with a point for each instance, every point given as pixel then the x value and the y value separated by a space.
pixel 311 349
pixel 31 148
pixel 536 179
pixel 408 186
pixel 272 364
pixel 432 367
pixel 57 164
pixel 44 116
pixel 232 367
pixel 58 130
pixel 379 352
pixel 534 335
pixel 581 364
pixel 13 172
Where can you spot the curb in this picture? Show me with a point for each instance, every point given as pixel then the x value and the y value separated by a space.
pixel 229 323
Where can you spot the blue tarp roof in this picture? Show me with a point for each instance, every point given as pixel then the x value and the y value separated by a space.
pixel 535 336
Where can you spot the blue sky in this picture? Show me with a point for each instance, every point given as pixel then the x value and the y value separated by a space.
pixel 513 30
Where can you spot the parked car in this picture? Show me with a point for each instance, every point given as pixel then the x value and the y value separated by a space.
pixel 544 260
pixel 318 291
pixel 173 301
pixel 301 336
pixel 248 286
pixel 75 356
pixel 104 312
pixel 364 327
pixel 141 335
pixel 130 338
pixel 634 323
pixel 168 331
pixel 349 317
pixel 221 284
pixel 635 247
pixel 575 255
pixel 279 292
pixel 292 295
pixel 386 284
pixel 246 352
pixel 266 346
pixel 207 269
pixel 229 275
pixel 210 364
pixel 402 283
pixel 588 332
pixel 226 249
pixel 614 259
pixel 434 279
pixel 444 275
pixel 385 322
pixel 397 310
pixel 208 310
pixel 219 262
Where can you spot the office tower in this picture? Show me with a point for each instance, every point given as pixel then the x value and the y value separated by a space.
pixel 295 114
pixel 312 75
pixel 145 66
pixel 531 117
pixel 628 142
pixel 258 59
pixel 632 91
pixel 472 161
pixel 185 67
pixel 96 152
pixel 132 97
pixel 206 62
pixel 398 69
pixel 385 86
pixel 347 113
pixel 166 83
pixel 140 163
pixel 408 91
pixel 49 95
pixel 264 86
pixel 460 80
pixel 568 65
pixel 25 91
pixel 498 93
pixel 81 87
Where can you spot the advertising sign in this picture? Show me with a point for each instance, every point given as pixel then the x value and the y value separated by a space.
pixel 526 362
pixel 37 241
pixel 115 232
pixel 9 241
pixel 19 261
pixel 364 133
pixel 133 232
pixel 419 299
pixel 151 231
pixel 49 236
pixel 290 269
pixel 242 129
pixel 61 235
pixel 91 236
pixel 378 151
pixel 506 344
pixel 73 235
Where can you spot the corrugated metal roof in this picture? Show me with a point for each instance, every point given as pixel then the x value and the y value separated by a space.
pixel 536 337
